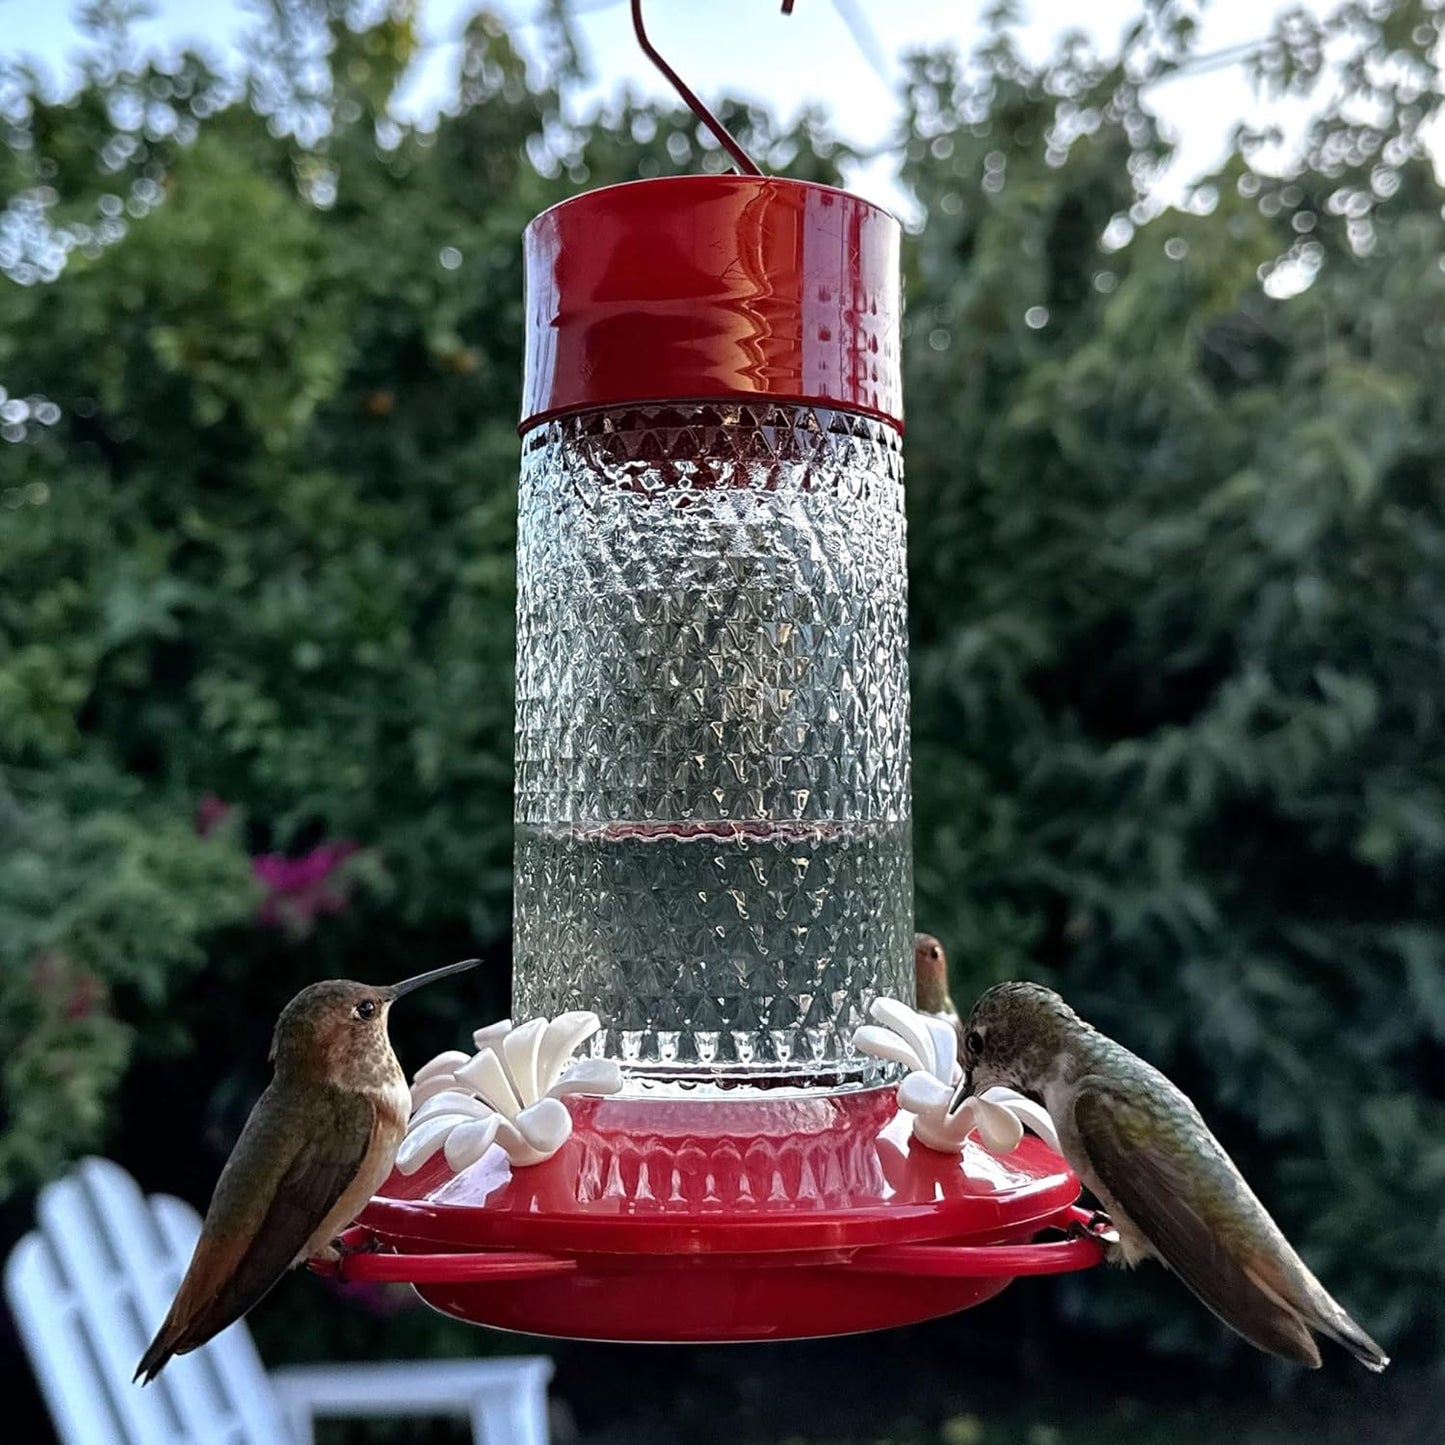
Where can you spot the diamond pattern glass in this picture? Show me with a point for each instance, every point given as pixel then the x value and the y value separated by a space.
pixel 712 798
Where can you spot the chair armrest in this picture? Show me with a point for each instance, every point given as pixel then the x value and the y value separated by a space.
pixel 406 1388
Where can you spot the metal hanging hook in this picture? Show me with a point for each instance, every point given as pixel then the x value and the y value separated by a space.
pixel 724 136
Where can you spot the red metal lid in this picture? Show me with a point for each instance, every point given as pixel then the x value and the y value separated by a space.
pixel 713 287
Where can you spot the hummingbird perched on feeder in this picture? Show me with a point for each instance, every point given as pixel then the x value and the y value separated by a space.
pixel 930 982
pixel 1142 1149
pixel 317 1146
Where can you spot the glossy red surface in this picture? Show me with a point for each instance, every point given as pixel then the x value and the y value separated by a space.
pixel 710 288
pixel 725 1220
pixel 718 1175
pixel 718 1304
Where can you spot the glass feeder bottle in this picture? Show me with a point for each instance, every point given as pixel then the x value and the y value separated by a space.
pixel 713 833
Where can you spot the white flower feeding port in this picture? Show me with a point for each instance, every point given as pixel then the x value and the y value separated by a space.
pixel 713 821
pixel 508 1093
pixel 928 1049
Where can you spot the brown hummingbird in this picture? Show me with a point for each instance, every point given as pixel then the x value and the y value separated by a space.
pixel 317 1146
pixel 1142 1149
pixel 930 981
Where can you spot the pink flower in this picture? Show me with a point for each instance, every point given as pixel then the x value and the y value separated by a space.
pixel 211 812
pixel 86 998
pixel 55 977
pixel 300 890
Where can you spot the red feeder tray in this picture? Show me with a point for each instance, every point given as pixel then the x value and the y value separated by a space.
pixel 719 1220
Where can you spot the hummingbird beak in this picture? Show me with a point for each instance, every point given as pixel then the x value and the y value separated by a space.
pixel 965 1088
pixel 406 986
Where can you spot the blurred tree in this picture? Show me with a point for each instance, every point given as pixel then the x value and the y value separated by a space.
pixel 260 345
pixel 1175 481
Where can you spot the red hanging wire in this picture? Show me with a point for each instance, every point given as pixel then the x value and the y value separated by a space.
pixel 725 138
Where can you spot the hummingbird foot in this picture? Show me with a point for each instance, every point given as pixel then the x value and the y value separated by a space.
pixel 330 1258
pixel 354 1241
pixel 1098 1227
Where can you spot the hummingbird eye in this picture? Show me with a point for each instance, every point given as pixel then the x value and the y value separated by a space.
pixel 366 1009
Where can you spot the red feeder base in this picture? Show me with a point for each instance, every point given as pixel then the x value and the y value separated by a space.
pixel 725 1220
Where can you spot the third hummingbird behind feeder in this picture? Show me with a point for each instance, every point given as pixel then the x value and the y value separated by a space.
pixel 930 982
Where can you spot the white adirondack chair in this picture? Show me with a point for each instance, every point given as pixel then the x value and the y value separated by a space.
pixel 90 1285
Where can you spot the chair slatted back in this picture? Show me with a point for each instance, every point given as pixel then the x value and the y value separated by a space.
pixel 89 1287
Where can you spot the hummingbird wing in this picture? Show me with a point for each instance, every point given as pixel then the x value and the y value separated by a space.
pixel 295 1158
pixel 1244 1270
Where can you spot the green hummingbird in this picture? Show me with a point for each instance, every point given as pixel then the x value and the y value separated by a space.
pixel 319 1143
pixel 1142 1149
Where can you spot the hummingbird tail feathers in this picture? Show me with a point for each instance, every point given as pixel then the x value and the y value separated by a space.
pixel 193 1317
pixel 151 1364
pixel 1312 1308
pixel 1243 1295
pixel 168 1343
pixel 155 1359
pixel 179 1335
pixel 1344 1331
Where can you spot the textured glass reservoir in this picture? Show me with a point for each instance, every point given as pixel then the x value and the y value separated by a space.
pixel 713 845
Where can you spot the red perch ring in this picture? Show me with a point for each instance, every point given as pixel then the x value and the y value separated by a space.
pixel 724 1220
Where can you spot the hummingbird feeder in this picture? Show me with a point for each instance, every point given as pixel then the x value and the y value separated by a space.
pixel 713 828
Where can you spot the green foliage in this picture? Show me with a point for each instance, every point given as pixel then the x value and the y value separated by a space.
pixel 103 896
pixel 1176 547
pixel 1176 542
pixel 257 514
